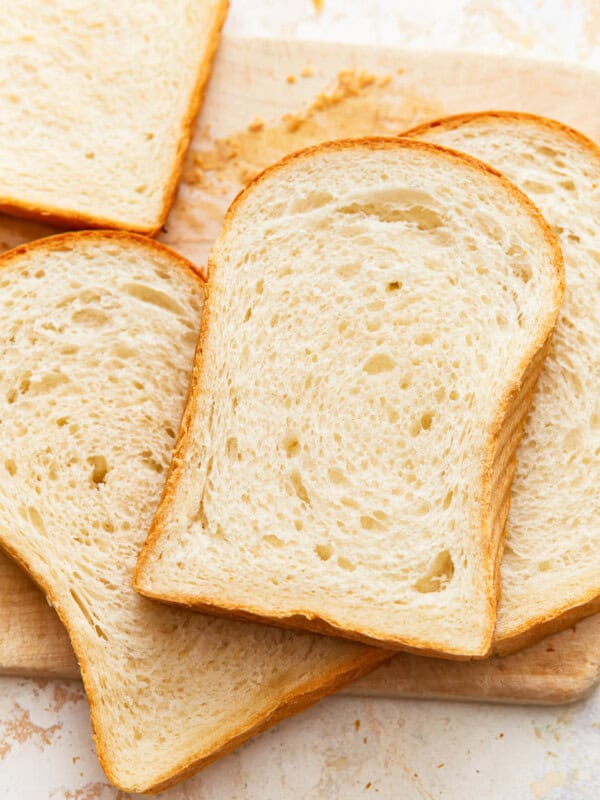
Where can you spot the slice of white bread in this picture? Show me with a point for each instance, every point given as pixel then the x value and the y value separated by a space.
pixel 378 314
pixel 97 338
pixel 551 566
pixel 98 106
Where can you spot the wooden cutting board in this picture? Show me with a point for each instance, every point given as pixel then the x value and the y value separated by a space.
pixel 268 98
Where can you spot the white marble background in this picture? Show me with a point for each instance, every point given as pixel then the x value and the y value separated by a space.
pixel 351 748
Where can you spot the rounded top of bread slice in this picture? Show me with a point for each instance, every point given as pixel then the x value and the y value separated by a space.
pixel 377 313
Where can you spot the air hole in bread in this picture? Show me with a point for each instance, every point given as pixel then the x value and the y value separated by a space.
pixel 10 466
pixel 368 523
pixel 447 500
pixel 99 469
pixel 536 187
pixel 146 294
pixel 25 383
pixel 423 507
pixel 381 362
pixel 348 270
pixel 36 519
pixel 390 211
pixel 232 448
pixel 90 316
pixel 248 314
pixel 393 286
pixel 299 487
pixel 544 566
pixel 392 414
pixel 324 551
pixel 439 574
pixel 337 476
pixel 311 202
pixel 426 420
pixel 291 445
pixel 424 338
pixel 346 564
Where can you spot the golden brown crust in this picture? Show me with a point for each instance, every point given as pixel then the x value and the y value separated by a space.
pixel 289 704
pixel 187 129
pixel 458 120
pixel 59 240
pixel 531 632
pixel 518 391
pixel 72 219
pixel 564 615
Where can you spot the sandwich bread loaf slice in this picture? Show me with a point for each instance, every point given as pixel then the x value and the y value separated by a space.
pixel 551 565
pixel 378 312
pixel 97 338
pixel 98 106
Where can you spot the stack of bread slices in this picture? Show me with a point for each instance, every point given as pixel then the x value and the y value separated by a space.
pixel 376 426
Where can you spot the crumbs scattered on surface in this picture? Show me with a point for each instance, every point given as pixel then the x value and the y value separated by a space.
pixel 541 788
pixel 368 785
pixel 439 766
pixel 94 791
pixel 319 5
pixel 21 729
pixel 357 103
pixel 307 72
pixel 65 693
pixel 357 724
pixel 256 125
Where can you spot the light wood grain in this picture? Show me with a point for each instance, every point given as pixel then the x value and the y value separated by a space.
pixel 268 98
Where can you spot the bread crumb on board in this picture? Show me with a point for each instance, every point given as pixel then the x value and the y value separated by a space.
pixel 256 125
pixel 356 103
pixel 319 5
pixel 307 72
pixel 350 83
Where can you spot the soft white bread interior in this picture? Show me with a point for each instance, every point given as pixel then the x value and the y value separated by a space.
pixel 378 313
pixel 98 105
pixel 98 334
pixel 551 565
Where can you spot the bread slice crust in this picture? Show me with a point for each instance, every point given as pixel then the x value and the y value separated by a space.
pixel 585 603
pixel 501 447
pixel 282 704
pixel 76 220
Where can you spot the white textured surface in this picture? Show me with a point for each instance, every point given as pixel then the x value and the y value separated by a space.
pixel 410 749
